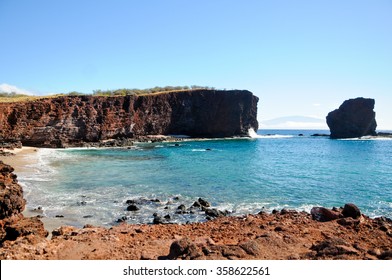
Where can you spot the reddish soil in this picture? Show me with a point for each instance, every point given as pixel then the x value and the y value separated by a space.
pixel 283 235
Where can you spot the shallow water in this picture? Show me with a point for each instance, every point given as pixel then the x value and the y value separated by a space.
pixel 271 171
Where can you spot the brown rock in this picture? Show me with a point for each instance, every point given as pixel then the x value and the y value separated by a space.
pixel 11 193
pixel 351 210
pixel 322 214
pixel 386 255
pixel 251 247
pixel 25 226
pixel 184 249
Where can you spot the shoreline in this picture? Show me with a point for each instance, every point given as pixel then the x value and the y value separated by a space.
pixel 280 235
pixel 20 161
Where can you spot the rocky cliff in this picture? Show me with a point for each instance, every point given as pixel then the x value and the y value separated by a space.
pixel 11 193
pixel 354 118
pixel 12 222
pixel 55 122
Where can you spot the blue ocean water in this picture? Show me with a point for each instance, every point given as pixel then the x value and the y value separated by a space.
pixel 276 169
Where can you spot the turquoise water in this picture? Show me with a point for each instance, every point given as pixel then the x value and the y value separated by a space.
pixel 239 175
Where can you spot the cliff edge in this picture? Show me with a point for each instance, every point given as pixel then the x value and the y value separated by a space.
pixel 70 120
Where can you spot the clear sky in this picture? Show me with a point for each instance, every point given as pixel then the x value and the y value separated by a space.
pixel 301 58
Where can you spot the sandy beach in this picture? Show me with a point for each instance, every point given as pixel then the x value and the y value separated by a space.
pixel 22 161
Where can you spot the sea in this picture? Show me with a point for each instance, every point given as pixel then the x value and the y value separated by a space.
pixel 271 169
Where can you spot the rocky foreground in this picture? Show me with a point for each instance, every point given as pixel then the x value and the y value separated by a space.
pixel 340 233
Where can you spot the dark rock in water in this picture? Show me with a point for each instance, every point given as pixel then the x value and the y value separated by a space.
pixel 214 213
pixel 181 207
pixel 320 135
pixel 132 207
pixel 351 210
pixel 167 217
pixel 88 216
pixel 122 219
pixel 322 214
pixel 130 201
pixel 203 202
pixel 300 134
pixel 159 220
pixel 155 200
pixel 354 118
pixel 385 134
pixel 196 204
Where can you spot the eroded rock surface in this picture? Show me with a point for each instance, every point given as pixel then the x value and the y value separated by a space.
pixel 354 118
pixel 72 120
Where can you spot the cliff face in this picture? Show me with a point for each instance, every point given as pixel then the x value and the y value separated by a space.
pixel 11 193
pixel 354 118
pixel 55 122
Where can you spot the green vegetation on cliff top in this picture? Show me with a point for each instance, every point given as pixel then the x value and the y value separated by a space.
pixel 15 97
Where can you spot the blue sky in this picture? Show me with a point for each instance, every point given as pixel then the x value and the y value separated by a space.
pixel 302 58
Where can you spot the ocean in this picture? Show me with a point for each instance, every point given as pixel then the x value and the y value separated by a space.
pixel 273 170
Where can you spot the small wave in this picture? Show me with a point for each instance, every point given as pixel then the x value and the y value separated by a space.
pixel 199 150
pixel 274 136
pixel 252 134
pixel 367 138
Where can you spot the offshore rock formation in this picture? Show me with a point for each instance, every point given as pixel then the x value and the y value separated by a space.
pixel 71 120
pixel 354 118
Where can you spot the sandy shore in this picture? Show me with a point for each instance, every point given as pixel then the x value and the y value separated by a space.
pixel 22 158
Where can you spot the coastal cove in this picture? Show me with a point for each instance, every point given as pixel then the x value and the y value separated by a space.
pixel 275 170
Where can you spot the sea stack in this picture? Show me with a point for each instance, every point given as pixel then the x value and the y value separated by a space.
pixel 354 118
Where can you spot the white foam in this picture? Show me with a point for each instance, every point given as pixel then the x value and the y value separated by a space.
pixel 252 134
pixel 367 138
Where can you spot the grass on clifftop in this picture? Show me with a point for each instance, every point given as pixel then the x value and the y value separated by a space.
pixel 14 97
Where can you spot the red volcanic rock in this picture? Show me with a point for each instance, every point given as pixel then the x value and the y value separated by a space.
pixel 354 118
pixel 11 193
pixel 60 121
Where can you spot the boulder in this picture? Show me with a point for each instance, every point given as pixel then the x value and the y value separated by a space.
pixel 351 210
pixel 322 214
pixel 203 202
pixel 132 207
pixel 354 118
pixel 214 213
pixel 184 249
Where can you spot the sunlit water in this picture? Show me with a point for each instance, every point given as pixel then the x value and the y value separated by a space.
pixel 273 170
